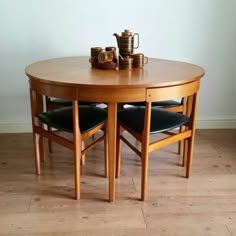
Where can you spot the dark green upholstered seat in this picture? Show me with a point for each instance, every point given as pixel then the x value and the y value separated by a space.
pixel 168 103
pixel 62 118
pixel 67 102
pixel 161 119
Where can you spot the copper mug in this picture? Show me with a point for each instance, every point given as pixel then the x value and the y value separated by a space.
pixel 125 62
pixel 95 51
pixel 113 49
pixel 105 56
pixel 110 48
pixel 139 60
pixel 94 55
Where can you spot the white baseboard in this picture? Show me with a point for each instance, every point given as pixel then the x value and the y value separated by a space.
pixel 216 123
pixel 202 123
pixel 16 128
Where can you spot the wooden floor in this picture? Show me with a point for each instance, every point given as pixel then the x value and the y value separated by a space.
pixel 203 205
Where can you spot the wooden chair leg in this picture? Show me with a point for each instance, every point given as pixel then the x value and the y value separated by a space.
pixel 185 150
pixel 36 153
pixel 144 178
pixel 82 161
pixel 106 167
pixel 144 158
pixel 180 143
pixel 185 153
pixel 118 151
pixel 41 149
pixel 189 156
pixel 50 145
pixel 77 157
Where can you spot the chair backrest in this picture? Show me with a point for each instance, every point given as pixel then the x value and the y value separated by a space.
pixel 172 92
pixel 51 90
pixel 40 91
pixel 189 91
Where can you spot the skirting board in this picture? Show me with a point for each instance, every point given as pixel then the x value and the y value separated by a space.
pixel 16 128
pixel 202 123
pixel 216 123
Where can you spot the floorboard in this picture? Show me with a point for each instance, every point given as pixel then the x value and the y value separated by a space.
pixel 204 204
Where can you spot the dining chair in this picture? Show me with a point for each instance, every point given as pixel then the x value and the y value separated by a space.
pixel 143 121
pixel 53 103
pixel 171 105
pixel 82 121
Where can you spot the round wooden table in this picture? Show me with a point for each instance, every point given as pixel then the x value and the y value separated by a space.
pixel 73 78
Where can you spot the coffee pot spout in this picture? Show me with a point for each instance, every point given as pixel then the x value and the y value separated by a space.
pixel 117 38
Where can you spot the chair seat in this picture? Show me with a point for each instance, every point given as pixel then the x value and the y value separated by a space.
pixel 66 102
pixel 62 118
pixel 161 120
pixel 168 103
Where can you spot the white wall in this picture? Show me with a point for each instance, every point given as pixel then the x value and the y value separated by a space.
pixel 202 32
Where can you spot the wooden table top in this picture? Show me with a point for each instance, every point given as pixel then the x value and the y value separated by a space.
pixel 77 71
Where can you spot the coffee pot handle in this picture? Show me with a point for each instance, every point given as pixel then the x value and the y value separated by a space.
pixel 137 40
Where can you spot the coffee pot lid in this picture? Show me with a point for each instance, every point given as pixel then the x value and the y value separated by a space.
pixel 126 33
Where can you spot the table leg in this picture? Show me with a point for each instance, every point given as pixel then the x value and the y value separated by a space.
pixel 111 132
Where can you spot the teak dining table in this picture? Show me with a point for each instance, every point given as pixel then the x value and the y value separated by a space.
pixel 110 86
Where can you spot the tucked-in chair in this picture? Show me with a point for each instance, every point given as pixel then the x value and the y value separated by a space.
pixel 82 121
pixel 143 121
pixel 53 103
pixel 171 105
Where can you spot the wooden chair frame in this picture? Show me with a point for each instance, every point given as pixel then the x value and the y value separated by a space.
pixel 50 106
pixel 37 98
pixel 181 108
pixel 188 91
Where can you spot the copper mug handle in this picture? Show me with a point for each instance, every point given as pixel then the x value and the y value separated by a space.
pixel 145 60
